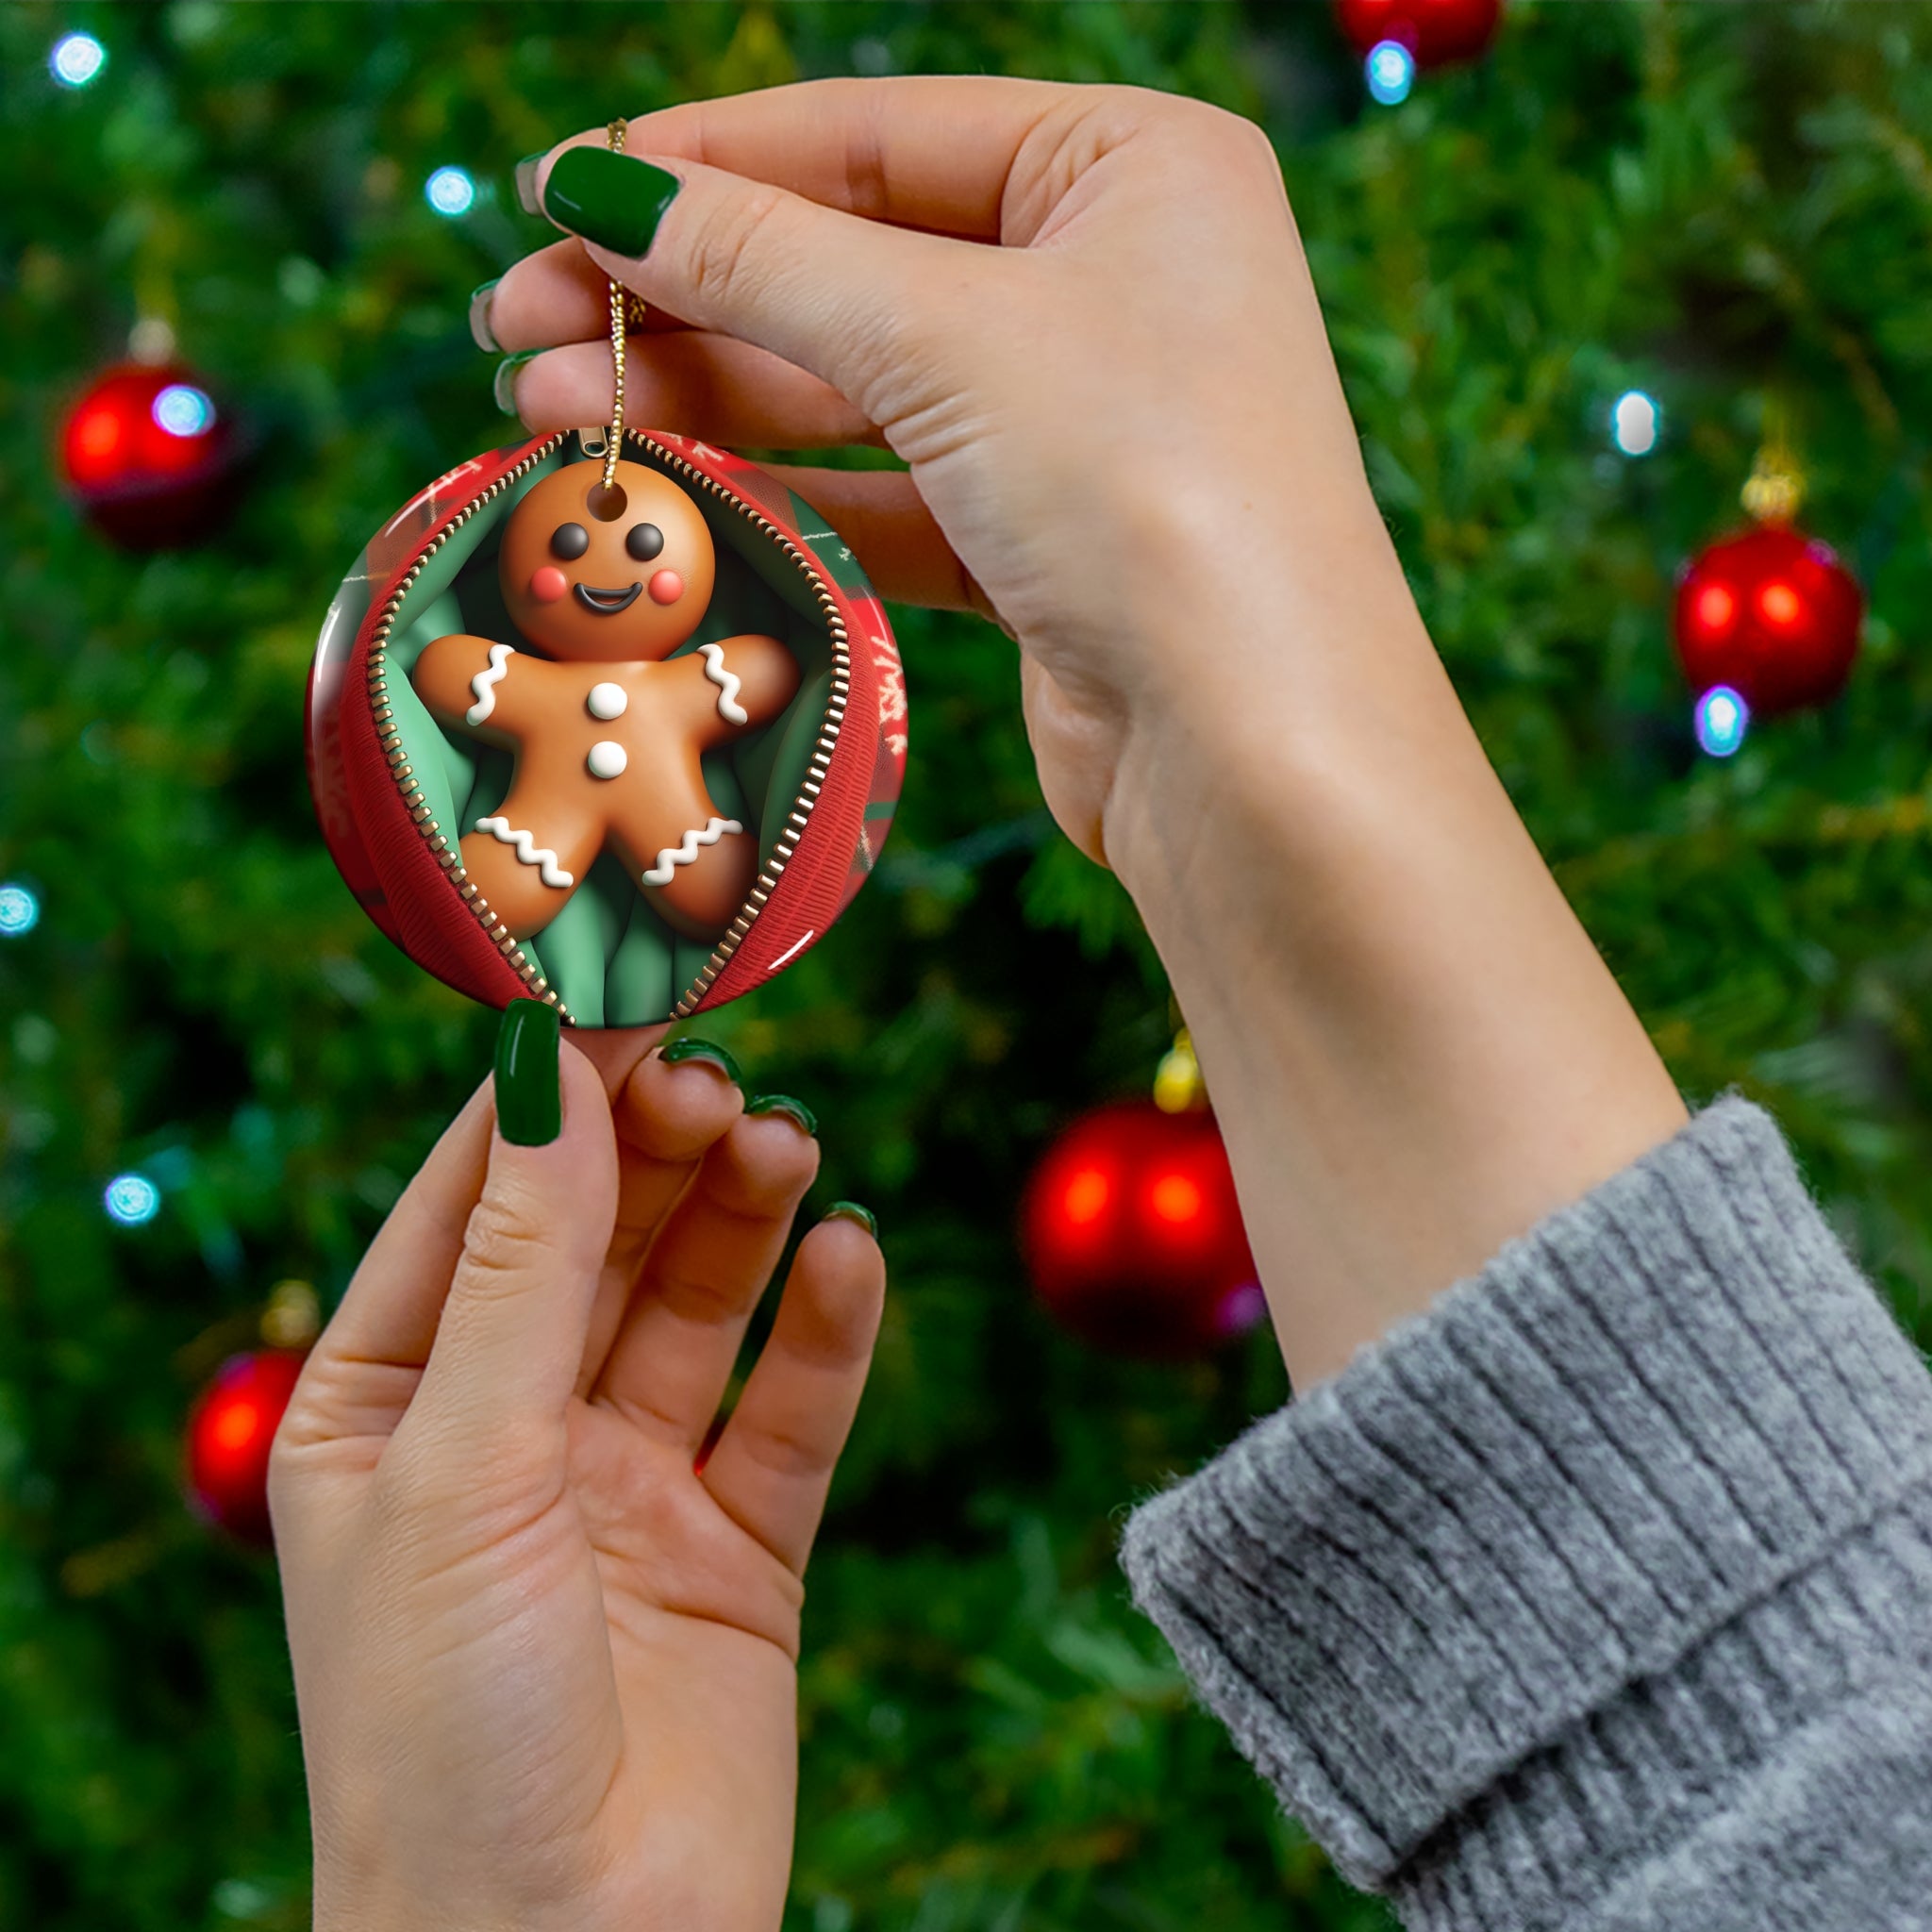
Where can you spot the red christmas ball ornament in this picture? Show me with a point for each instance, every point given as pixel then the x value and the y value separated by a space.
pixel 229 1433
pixel 1773 614
pixel 1133 1236
pixel 1435 32
pixel 149 455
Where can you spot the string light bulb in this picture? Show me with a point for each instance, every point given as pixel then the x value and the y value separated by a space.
pixel 450 191
pixel 132 1200
pixel 1390 71
pixel 76 59
pixel 1636 422
pixel 20 911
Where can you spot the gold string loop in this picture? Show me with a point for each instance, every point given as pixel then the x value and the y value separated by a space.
pixel 625 311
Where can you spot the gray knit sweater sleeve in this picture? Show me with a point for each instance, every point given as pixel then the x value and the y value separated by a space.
pixel 1600 1595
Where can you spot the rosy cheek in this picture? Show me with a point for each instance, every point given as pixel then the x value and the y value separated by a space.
pixel 548 584
pixel 667 587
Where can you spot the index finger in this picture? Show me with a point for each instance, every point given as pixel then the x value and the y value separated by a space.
pixel 917 151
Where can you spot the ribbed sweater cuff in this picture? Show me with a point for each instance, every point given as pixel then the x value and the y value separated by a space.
pixel 1565 1551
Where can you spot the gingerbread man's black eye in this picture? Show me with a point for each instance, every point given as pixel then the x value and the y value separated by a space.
pixel 569 541
pixel 646 541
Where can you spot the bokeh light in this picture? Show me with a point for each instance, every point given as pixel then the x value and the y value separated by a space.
pixel 76 59
pixel 1636 422
pixel 20 911
pixel 132 1199
pixel 1176 1199
pixel 1723 717
pixel 182 409
pixel 450 191
pixel 1087 1196
pixel 1390 72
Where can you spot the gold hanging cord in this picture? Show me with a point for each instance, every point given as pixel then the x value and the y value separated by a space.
pixel 626 311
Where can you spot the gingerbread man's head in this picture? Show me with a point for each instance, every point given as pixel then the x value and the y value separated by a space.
pixel 599 576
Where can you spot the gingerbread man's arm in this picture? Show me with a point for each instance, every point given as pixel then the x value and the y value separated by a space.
pixel 736 684
pixel 476 685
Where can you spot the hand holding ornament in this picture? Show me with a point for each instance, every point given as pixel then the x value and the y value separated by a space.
pixel 544 1647
pixel 1083 318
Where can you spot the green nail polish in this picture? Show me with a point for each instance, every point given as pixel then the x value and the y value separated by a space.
pixel 851 1210
pixel 527 183
pixel 707 1051
pixel 505 387
pixel 608 198
pixel 480 331
pixel 794 1110
pixel 529 1085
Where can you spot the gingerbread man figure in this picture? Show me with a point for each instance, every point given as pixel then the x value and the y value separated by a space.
pixel 607 734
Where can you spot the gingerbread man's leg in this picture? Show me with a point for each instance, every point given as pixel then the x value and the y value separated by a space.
pixel 696 874
pixel 527 865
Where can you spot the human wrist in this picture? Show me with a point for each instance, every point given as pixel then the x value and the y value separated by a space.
pixel 1414 1049
pixel 1262 707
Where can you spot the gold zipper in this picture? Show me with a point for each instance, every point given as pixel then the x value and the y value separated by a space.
pixel 448 854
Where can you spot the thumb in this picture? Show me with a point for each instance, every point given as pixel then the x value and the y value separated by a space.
pixel 836 294
pixel 509 1343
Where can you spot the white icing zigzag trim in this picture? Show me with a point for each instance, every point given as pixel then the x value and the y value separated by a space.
pixel 482 687
pixel 528 851
pixel 673 856
pixel 727 682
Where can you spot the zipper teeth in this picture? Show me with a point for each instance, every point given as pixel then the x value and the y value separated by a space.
pixel 447 856
pixel 829 727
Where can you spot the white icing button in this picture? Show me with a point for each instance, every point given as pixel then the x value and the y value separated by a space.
pixel 608 701
pixel 607 760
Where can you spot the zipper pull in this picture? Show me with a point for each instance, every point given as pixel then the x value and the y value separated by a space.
pixel 595 444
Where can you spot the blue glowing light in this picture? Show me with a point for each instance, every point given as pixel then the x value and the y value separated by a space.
pixel 20 911
pixel 1390 72
pixel 76 59
pixel 450 191
pixel 1722 718
pixel 1635 422
pixel 132 1199
pixel 184 410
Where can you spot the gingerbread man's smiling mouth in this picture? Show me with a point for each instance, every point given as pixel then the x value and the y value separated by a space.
pixel 606 603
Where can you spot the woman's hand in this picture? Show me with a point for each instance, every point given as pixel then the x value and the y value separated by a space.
pixel 545 1668
pixel 1083 317
pixel 1127 393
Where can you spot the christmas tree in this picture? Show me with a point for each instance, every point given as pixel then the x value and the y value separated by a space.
pixel 1720 212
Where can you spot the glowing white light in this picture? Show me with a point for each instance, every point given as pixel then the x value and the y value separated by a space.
pixel 132 1199
pixel 184 410
pixel 20 911
pixel 1390 72
pixel 1635 421
pixel 76 59
pixel 1723 717
pixel 450 191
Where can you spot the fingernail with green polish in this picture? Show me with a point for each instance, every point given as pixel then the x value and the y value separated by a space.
pixel 529 1086
pixel 505 387
pixel 794 1110
pixel 851 1210
pixel 480 331
pixel 527 183
pixel 608 198
pixel 705 1051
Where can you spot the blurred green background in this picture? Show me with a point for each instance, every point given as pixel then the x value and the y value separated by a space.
pixel 1725 206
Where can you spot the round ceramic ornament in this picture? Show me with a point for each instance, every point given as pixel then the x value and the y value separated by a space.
pixel 608 719
pixel 619 726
